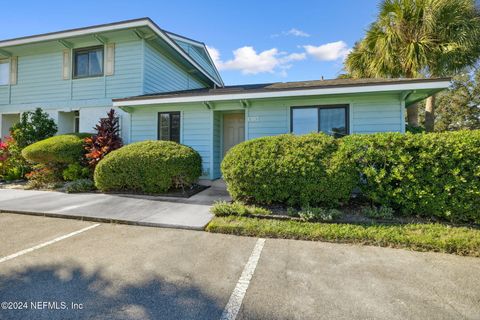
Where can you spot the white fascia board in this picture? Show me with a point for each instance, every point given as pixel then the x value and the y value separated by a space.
pixel 106 28
pixel 173 44
pixel 289 93
pixel 73 33
pixel 180 38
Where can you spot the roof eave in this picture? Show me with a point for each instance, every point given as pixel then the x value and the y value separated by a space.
pixel 399 87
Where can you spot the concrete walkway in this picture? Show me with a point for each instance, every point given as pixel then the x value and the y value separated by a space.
pixel 185 213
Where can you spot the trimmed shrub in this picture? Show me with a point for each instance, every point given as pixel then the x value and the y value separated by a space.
pixel 435 174
pixel 288 169
pixel 62 149
pixel 148 167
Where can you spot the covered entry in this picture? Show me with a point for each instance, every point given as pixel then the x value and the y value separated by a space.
pixel 233 130
pixel 228 130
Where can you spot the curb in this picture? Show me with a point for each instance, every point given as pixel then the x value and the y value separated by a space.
pixel 104 220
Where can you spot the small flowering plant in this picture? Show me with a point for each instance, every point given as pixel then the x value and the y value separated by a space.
pixel 12 165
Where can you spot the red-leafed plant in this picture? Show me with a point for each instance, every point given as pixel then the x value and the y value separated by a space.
pixel 105 140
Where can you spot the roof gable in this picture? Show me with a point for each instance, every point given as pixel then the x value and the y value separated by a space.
pixel 198 52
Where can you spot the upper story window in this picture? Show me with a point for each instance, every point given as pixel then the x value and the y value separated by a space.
pixel 4 72
pixel 169 126
pixel 88 62
pixel 332 120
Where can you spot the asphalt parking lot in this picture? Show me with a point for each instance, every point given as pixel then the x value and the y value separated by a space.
pixel 68 269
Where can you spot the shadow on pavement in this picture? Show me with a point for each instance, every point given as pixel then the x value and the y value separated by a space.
pixel 100 297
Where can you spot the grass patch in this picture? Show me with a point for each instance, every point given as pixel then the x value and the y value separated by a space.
pixel 421 237
pixel 223 208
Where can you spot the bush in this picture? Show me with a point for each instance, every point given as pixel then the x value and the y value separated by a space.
pixel 62 149
pixel 148 167
pixel 105 140
pixel 43 177
pixel 75 171
pixel 288 169
pixel 32 127
pixel 435 174
pixel 12 165
pixel 80 185
pixel 222 208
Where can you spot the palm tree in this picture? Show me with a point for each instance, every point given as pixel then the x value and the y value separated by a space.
pixel 418 39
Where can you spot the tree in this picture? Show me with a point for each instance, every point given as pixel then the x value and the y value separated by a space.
pixel 32 127
pixel 459 107
pixel 417 39
pixel 105 140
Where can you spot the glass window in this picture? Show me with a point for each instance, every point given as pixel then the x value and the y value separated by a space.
pixel 4 72
pixel 88 62
pixel 331 120
pixel 304 120
pixel 169 126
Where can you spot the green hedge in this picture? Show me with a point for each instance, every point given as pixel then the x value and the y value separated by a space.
pixel 287 169
pixel 61 149
pixel 435 174
pixel 148 167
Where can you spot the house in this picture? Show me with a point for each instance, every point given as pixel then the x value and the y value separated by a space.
pixel 165 86
pixel 74 74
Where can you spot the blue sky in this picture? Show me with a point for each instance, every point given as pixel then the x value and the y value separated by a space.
pixel 252 41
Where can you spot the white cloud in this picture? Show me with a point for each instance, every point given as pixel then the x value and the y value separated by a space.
pixel 329 51
pixel 214 54
pixel 296 33
pixel 248 61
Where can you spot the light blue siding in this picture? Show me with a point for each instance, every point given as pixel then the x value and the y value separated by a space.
pixel 267 121
pixel 199 55
pixel 4 94
pixel 40 78
pixel 196 129
pixel 377 116
pixel 162 75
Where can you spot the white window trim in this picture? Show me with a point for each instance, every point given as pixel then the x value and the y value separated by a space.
pixel 9 62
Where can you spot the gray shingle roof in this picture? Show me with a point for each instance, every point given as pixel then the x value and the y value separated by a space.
pixel 279 86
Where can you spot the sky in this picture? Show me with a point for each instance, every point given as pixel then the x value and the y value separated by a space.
pixel 251 41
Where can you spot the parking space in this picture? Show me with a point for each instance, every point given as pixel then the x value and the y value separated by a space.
pixel 130 272
pixel 316 280
pixel 19 232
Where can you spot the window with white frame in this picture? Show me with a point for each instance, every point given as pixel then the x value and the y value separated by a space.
pixel 4 72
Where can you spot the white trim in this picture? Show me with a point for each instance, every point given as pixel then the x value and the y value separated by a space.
pixel 236 299
pixel 180 38
pixel 289 93
pixel 106 28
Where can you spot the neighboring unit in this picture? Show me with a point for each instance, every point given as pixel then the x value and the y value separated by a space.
pixel 74 74
pixel 165 86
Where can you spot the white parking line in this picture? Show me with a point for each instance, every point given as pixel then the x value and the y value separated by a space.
pixel 20 253
pixel 235 302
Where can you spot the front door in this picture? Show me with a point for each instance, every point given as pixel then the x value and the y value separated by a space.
pixel 233 130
